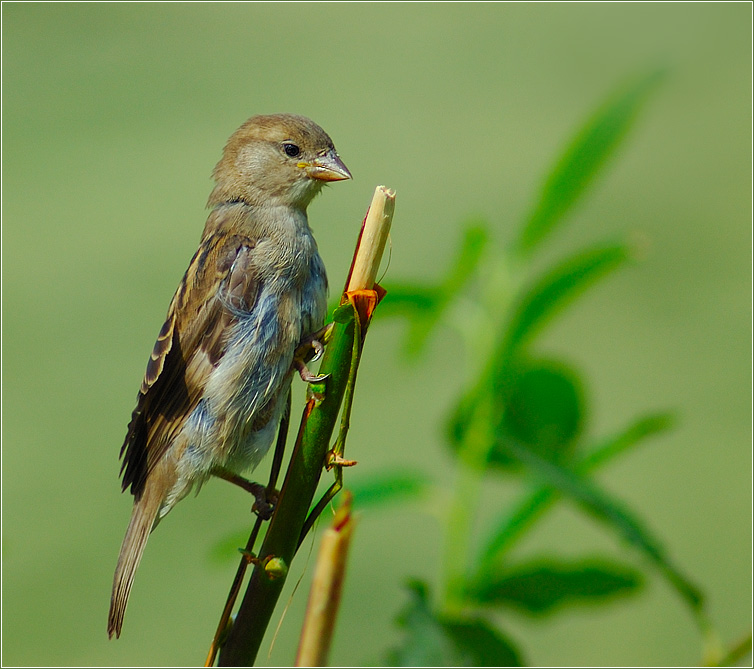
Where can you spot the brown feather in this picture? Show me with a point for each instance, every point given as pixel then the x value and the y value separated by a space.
pixel 191 340
pixel 143 519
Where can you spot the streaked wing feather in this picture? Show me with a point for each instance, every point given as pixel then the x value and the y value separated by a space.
pixel 217 284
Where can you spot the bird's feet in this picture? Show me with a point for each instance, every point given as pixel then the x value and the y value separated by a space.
pixel 264 502
pixel 310 349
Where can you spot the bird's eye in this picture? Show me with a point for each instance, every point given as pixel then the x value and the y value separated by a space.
pixel 291 150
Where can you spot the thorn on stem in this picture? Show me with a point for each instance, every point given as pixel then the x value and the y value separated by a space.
pixel 334 459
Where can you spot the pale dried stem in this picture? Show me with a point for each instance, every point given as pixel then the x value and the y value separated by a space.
pixel 327 584
pixel 374 234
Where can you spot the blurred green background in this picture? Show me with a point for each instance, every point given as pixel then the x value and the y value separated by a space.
pixel 113 117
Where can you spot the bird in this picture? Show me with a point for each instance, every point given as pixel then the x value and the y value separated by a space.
pixel 255 292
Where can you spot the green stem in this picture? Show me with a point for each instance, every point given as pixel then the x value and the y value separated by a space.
pixel 471 465
pixel 296 495
pixel 473 452
pixel 739 652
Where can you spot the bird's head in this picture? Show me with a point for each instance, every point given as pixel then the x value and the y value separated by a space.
pixel 276 159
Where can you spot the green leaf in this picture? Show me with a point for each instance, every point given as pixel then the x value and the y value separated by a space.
pixel 460 418
pixel 513 525
pixel 435 641
pixel 405 299
pixel 425 305
pixel 583 159
pixel 541 587
pixel 421 305
pixel 381 489
pixel 475 240
pixel 542 407
pixel 597 502
pixel 479 645
pixel 555 290
pixel 545 298
pixel 548 295
pixel 425 643
pixel 344 313
pixel 227 549
pixel 646 426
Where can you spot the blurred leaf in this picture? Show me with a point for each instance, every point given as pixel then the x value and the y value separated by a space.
pixel 433 641
pixel 382 489
pixel 227 549
pixel 480 645
pixel 512 525
pixel 736 654
pixel 550 294
pixel 553 291
pixel 584 157
pixel 422 305
pixel 647 426
pixel 425 643
pixel 475 240
pixel 542 406
pixel 596 501
pixel 539 304
pixel 543 409
pixel 459 420
pixel 541 587
pixel 425 305
pixel 408 299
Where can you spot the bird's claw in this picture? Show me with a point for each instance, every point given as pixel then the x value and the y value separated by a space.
pixel 264 504
pixel 306 375
pixel 319 348
pixel 311 349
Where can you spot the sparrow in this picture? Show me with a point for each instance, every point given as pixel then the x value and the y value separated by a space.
pixel 218 378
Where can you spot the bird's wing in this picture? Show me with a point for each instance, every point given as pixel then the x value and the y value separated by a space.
pixel 218 284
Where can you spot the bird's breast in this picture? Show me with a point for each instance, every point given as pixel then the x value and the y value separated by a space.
pixel 290 305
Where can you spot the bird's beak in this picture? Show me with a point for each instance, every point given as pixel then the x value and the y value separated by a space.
pixel 328 167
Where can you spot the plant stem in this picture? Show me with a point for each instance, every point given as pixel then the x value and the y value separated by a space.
pixel 307 460
pixel 467 490
pixel 327 584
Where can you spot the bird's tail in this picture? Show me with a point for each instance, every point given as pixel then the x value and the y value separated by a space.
pixel 143 519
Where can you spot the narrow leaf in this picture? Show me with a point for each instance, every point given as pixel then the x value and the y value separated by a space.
pixel 405 299
pixel 379 490
pixel 583 159
pixel 555 289
pixel 425 305
pixel 647 426
pixel 513 525
pixel 596 501
pixel 542 587
pixel 538 304
pixel 475 240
